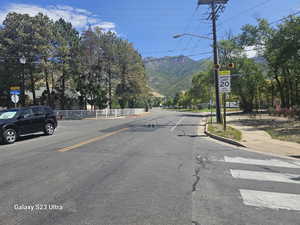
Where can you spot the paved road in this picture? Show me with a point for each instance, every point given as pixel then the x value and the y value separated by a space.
pixel 152 170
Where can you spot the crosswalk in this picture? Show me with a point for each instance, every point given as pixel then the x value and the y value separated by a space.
pixel 268 199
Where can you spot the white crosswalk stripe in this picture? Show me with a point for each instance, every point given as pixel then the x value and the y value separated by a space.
pixel 266 176
pixel 266 199
pixel 272 200
pixel 266 162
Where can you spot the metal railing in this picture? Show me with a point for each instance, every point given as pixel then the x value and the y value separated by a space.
pixel 96 114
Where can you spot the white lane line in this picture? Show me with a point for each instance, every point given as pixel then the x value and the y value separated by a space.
pixel 266 176
pixel 178 122
pixel 266 162
pixel 272 200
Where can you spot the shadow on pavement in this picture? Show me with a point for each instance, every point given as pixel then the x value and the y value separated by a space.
pixel 193 115
pixel 31 136
pixel 191 136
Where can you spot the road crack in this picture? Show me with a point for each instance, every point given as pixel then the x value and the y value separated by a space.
pixel 197 171
pixel 202 160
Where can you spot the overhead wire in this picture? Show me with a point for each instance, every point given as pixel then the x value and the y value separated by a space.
pixel 286 17
pixel 273 22
pixel 221 26
pixel 187 26
pixel 241 13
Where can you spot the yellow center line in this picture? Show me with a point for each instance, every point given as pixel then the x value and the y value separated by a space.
pixel 90 140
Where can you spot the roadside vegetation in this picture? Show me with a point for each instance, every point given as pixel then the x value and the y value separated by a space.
pixel 270 80
pixel 230 132
pixel 72 69
pixel 277 127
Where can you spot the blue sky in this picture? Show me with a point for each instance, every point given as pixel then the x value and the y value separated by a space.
pixel 150 25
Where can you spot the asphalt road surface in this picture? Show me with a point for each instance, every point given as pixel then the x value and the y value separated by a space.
pixel 154 170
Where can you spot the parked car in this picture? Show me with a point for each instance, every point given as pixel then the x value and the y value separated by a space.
pixel 27 120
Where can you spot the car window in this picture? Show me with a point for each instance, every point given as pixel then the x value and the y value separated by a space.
pixel 48 110
pixel 38 111
pixel 7 115
pixel 27 113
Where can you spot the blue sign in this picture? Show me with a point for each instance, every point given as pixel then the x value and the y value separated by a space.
pixel 15 92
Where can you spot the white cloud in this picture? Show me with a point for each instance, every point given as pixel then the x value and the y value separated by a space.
pixel 251 51
pixel 106 26
pixel 80 18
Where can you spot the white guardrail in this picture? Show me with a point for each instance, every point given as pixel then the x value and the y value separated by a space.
pixel 96 114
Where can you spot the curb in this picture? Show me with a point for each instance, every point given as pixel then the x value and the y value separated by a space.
pixel 219 138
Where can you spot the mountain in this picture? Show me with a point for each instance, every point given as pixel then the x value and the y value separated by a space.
pixel 171 74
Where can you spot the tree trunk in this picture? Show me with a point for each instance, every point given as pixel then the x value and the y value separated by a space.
pixel 281 91
pixel 47 86
pixel 52 80
pixel 123 80
pixel 109 87
pixel 272 93
pixel 63 89
pixel 32 85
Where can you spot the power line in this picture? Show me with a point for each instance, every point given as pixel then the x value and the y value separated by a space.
pixel 191 38
pixel 244 11
pixel 293 14
pixel 187 26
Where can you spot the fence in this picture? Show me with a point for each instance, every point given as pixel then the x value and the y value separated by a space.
pixel 96 114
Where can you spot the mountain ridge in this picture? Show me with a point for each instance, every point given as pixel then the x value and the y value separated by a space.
pixel 170 74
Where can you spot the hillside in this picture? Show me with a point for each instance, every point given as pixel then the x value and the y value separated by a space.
pixel 169 75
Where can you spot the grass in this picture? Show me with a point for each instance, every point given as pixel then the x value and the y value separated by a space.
pixel 291 134
pixel 277 128
pixel 230 132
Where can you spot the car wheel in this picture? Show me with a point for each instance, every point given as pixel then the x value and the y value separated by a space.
pixel 10 136
pixel 49 129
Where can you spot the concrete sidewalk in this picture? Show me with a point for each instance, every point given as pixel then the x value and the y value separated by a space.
pixel 260 140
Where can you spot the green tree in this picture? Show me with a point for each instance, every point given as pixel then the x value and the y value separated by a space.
pixel 66 45
pixel 247 85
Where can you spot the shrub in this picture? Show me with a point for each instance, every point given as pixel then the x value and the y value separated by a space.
pixel 271 111
pixel 297 112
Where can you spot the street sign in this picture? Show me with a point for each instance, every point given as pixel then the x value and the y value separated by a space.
pixel 15 98
pixel 224 84
pixel 17 92
pixel 224 73
pixel 15 88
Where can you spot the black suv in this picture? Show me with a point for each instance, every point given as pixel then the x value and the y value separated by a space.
pixel 27 120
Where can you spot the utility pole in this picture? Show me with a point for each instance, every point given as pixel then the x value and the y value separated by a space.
pixel 23 61
pixel 216 6
pixel 216 60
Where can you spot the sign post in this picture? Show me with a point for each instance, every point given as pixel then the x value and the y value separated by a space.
pixel 15 92
pixel 225 87
pixel 224 108
pixel 15 99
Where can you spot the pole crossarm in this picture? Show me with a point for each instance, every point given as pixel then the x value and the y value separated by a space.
pixel 194 35
pixel 209 2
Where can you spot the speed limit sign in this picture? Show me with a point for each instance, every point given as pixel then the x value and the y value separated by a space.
pixel 225 84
